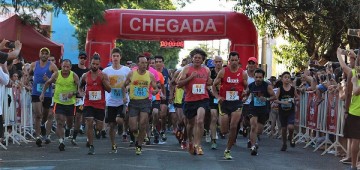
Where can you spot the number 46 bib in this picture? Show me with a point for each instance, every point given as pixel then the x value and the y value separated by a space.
pixel 198 89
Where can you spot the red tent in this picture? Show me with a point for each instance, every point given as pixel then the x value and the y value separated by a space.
pixel 32 41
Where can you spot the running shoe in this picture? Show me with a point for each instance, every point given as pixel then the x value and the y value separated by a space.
pixel 38 142
pixel 47 140
pixel 103 134
pixel 249 144
pixel 138 150
pixel 67 133
pixel 147 140
pixel 199 150
pixel 62 147
pixel 113 149
pixel 283 148
pixel 97 134
pixel 207 137
pixel 292 143
pixel 124 137
pixel 183 145
pixel 254 151
pixel 91 150
pixel 163 136
pixel 73 142
pixel 227 155
pixel 213 146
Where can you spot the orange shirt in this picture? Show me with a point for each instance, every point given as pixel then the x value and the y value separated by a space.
pixel 162 82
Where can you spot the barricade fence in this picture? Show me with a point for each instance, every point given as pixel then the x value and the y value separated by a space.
pixel 318 118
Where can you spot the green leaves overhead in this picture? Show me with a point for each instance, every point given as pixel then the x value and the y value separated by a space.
pixel 320 25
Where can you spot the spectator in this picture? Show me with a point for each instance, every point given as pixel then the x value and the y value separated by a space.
pixel 4 74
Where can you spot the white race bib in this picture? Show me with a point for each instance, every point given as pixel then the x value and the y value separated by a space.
pixel 198 89
pixel 64 97
pixel 232 95
pixel 94 95
pixel 79 101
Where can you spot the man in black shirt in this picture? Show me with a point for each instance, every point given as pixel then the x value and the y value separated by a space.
pixel 79 69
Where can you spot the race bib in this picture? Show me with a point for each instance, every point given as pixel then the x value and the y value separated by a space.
pixel 216 101
pixel 232 95
pixel 258 102
pixel 198 89
pixel 39 88
pixel 286 106
pixel 94 95
pixel 79 101
pixel 116 93
pixel 64 97
pixel 141 92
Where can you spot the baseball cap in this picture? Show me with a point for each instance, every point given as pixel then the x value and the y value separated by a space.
pixel 82 54
pixel 253 59
pixel 210 63
pixel 45 49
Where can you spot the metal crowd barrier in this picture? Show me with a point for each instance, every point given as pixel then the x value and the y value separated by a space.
pixel 14 129
pixel 327 118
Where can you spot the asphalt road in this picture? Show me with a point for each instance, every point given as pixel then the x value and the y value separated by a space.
pixel 168 155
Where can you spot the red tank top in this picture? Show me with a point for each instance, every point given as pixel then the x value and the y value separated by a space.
pixel 196 90
pixel 94 91
pixel 232 84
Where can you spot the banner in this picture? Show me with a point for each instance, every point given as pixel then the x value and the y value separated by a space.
pixel 312 111
pixel 331 121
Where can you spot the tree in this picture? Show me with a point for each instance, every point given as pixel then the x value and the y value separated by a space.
pixel 84 13
pixel 131 49
pixel 320 25
pixel 293 56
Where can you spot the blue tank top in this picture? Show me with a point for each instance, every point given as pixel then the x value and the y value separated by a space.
pixel 165 73
pixel 39 82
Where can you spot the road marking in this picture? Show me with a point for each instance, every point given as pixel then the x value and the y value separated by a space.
pixel 30 168
pixel 34 160
pixel 161 150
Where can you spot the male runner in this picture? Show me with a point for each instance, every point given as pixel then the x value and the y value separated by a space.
pixel 64 97
pixel 94 104
pixel 233 81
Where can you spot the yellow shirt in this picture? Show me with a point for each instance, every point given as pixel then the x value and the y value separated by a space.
pixel 139 86
pixel 355 101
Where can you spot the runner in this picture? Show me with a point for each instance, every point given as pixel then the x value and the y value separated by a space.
pixel 245 123
pixel 195 78
pixel 214 102
pixel 140 80
pixel 233 81
pixel 286 100
pixel 94 104
pixel 160 67
pixel 260 93
pixel 42 70
pixel 64 97
pixel 116 99
pixel 79 69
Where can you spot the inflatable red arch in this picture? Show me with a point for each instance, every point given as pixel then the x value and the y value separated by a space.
pixel 172 26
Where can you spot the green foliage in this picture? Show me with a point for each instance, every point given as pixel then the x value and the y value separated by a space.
pixel 84 13
pixel 131 49
pixel 293 56
pixel 320 25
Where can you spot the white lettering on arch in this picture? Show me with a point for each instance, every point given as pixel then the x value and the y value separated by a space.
pixel 132 24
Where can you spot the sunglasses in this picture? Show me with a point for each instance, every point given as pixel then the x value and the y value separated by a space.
pixel 128 63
